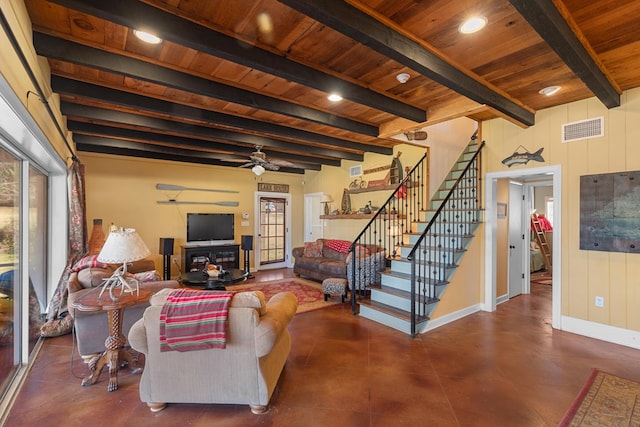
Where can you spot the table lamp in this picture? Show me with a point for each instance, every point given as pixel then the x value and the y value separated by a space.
pixel 123 245
pixel 326 199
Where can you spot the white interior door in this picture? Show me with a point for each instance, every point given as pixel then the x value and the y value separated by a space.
pixel 313 228
pixel 516 239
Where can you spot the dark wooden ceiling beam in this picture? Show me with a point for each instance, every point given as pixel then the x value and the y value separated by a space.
pixel 65 86
pixel 187 33
pixel 545 18
pixel 64 50
pixel 240 153
pixel 130 149
pixel 206 133
pixel 363 28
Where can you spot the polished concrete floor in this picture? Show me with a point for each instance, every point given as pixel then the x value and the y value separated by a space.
pixel 507 368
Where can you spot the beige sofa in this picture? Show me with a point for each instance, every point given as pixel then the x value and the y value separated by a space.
pixel 245 372
pixel 92 328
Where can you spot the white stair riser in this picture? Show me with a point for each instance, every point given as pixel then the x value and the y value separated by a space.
pixel 438 272
pixel 448 228
pixel 445 242
pixel 392 300
pixel 385 319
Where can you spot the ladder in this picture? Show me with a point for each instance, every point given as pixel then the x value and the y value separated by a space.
pixel 541 238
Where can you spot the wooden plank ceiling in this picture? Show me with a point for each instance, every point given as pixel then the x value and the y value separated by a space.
pixel 232 75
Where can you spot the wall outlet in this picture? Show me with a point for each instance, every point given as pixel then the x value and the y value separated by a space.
pixel 599 302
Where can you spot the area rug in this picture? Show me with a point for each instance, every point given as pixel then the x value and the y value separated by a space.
pixel 542 278
pixel 308 293
pixel 605 400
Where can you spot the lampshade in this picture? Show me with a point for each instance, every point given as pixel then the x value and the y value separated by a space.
pixel 326 199
pixel 258 169
pixel 123 245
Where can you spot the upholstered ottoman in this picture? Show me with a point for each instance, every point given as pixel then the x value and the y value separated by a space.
pixel 334 286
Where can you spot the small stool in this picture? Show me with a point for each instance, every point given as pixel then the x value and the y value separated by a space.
pixel 334 286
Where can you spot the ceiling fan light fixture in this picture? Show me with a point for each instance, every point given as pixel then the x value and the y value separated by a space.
pixel 258 170
pixel 147 37
pixel 403 77
pixel 549 90
pixel 334 97
pixel 473 25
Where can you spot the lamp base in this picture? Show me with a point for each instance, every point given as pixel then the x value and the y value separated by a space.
pixel 326 208
pixel 119 280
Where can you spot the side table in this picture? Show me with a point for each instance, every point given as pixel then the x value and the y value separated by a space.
pixel 115 342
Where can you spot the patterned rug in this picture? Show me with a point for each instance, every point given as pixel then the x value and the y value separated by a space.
pixel 605 400
pixel 542 277
pixel 308 293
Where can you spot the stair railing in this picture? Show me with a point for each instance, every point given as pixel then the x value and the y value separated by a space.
pixel 380 240
pixel 433 257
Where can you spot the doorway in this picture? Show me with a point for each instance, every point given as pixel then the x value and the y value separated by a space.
pixel 273 218
pixel 549 172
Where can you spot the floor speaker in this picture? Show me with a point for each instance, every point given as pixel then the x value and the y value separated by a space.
pixel 166 246
pixel 247 243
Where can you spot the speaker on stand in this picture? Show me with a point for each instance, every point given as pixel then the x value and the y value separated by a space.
pixel 166 250
pixel 246 244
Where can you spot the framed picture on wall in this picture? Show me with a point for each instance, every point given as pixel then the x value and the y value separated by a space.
pixel 501 209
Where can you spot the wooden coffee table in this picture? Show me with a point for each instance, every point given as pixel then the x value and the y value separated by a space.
pixel 114 344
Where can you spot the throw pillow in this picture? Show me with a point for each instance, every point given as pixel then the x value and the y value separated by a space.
pixel 313 249
pixel 339 245
pixel 147 276
pixel 88 261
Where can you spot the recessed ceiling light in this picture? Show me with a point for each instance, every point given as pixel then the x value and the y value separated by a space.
pixel 334 97
pixel 549 90
pixel 403 77
pixel 473 24
pixel 147 37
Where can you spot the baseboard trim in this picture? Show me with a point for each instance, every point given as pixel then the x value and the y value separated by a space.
pixel 451 317
pixel 612 334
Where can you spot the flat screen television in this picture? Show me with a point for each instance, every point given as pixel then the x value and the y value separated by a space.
pixel 210 229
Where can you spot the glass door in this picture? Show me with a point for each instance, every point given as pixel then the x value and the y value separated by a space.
pixel 273 231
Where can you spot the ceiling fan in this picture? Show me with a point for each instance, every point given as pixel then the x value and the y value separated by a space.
pixel 259 162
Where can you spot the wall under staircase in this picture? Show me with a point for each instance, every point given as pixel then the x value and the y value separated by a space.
pixel 429 243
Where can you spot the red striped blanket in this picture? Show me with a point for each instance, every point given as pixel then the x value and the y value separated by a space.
pixel 194 320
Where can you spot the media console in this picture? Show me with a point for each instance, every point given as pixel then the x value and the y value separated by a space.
pixel 195 257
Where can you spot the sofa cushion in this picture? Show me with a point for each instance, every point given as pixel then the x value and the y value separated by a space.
pixel 313 249
pixel 333 268
pixel 333 254
pixel 92 277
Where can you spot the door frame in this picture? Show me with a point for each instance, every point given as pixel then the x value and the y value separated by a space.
pixel 491 183
pixel 520 261
pixel 256 230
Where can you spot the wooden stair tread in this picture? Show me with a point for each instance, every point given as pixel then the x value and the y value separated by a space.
pixel 402 294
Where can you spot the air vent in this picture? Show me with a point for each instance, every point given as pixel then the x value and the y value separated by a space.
pixel 584 129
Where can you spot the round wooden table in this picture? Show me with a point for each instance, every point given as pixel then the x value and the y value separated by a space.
pixel 199 279
pixel 114 344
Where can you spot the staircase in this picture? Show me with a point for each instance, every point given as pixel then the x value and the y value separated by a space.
pixel 424 244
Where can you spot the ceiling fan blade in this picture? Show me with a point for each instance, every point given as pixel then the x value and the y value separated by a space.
pixel 283 163
pixel 172 187
pixel 178 202
pixel 247 165
pixel 271 166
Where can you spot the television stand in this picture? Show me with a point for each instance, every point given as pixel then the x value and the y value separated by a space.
pixel 195 257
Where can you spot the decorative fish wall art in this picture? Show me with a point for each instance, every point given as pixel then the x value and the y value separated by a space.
pixel 523 158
